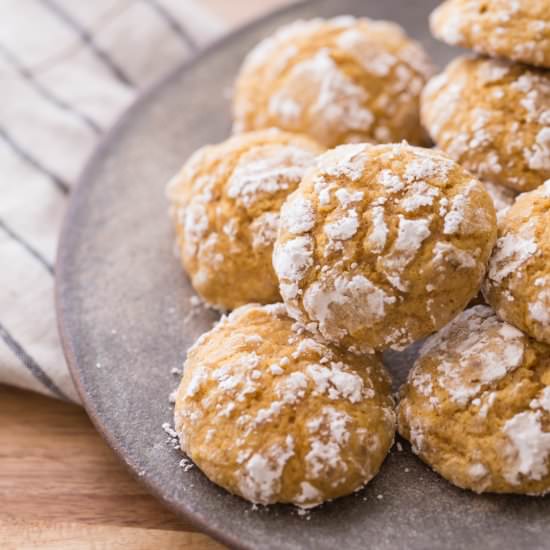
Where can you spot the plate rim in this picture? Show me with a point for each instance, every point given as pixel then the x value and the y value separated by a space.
pixel 64 240
pixel 65 246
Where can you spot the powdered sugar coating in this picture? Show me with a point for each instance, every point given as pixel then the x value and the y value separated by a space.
pixel 289 417
pixel 475 405
pixel 518 280
pixel 530 446
pixel 338 80
pixel 494 118
pixel 477 351
pixel 514 29
pixel 396 243
pixel 225 203
pixel 502 197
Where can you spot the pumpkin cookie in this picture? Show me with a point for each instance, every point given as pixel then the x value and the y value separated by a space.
pixel 338 80
pixel 225 205
pixel 493 117
pixel 517 30
pixel 476 406
pixel 275 415
pixel 518 279
pixel 381 245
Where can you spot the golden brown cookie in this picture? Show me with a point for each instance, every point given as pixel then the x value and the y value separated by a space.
pixel 513 29
pixel 275 415
pixel 225 204
pixel 518 279
pixel 338 80
pixel 493 117
pixel 476 406
pixel 381 245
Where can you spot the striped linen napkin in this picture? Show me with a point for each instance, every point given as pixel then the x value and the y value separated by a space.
pixel 67 70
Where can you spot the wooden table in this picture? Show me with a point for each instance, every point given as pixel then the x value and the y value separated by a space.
pixel 60 485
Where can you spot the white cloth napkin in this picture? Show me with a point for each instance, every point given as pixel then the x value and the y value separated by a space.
pixel 67 70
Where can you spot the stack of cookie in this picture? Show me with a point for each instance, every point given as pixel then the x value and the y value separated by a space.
pixel 477 403
pixel 327 258
pixel 492 115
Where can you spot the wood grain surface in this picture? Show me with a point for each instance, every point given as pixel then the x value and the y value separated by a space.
pixel 60 485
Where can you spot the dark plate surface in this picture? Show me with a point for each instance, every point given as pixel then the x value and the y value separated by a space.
pixel 123 301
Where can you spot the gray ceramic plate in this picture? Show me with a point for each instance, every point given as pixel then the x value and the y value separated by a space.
pixel 123 302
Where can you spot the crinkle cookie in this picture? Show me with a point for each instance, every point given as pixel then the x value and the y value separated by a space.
pixel 514 29
pixel 338 80
pixel 225 206
pixel 503 198
pixel 493 117
pixel 381 245
pixel 476 406
pixel 275 415
pixel 518 279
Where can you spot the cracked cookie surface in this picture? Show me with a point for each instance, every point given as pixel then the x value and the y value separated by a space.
pixel 513 29
pixel 476 406
pixel 518 280
pixel 225 205
pixel 273 414
pixel 338 80
pixel 493 117
pixel 381 245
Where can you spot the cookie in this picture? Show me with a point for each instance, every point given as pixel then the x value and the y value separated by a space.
pixel 338 80
pixel 476 406
pixel 518 279
pixel 225 205
pixel 381 245
pixel 273 414
pixel 493 117
pixel 512 29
